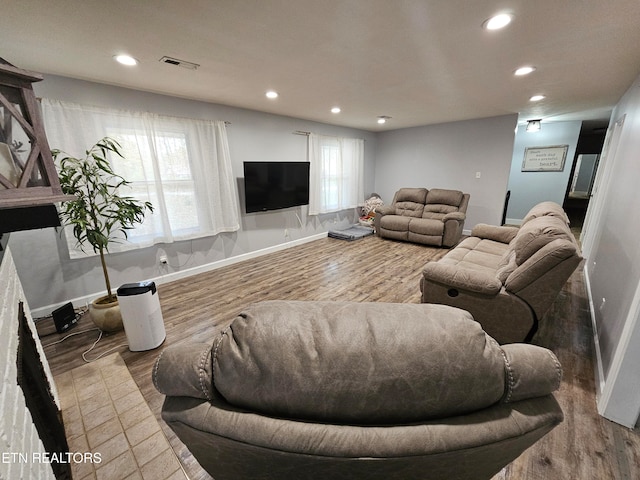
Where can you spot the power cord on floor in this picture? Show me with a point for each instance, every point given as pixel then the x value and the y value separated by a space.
pixel 70 335
pixel 103 353
pixel 84 354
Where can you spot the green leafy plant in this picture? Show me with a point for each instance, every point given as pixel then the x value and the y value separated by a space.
pixel 99 212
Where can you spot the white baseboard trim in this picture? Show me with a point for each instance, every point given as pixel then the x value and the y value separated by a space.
pixel 513 221
pixel 170 277
pixel 598 367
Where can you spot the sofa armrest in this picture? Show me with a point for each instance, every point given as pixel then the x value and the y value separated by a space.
pixel 458 216
pixel 184 370
pixel 532 371
pixel 453 224
pixel 462 279
pixel 501 234
pixel 385 210
pixel 380 212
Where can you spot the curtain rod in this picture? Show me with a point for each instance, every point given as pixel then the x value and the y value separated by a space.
pixel 227 123
pixel 302 132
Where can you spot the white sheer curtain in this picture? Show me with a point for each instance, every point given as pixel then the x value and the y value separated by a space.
pixel 182 166
pixel 336 173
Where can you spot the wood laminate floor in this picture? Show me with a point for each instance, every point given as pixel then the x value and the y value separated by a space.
pixel 585 446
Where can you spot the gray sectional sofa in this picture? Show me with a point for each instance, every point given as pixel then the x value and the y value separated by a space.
pixel 507 277
pixel 340 390
pixel 430 217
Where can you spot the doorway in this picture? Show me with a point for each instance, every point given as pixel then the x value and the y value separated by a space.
pixel 583 170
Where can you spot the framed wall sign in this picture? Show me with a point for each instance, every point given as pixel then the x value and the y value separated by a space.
pixel 545 159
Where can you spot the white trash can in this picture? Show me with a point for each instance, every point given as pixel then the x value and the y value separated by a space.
pixel 141 315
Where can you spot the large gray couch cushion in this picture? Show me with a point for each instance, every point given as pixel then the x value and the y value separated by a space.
pixel 409 202
pixel 537 233
pixel 440 202
pixel 397 223
pixel 426 226
pixel 346 362
pixel 415 195
pixel 546 209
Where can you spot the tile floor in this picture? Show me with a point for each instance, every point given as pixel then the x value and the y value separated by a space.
pixel 104 411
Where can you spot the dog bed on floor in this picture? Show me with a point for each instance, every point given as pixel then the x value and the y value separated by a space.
pixel 352 233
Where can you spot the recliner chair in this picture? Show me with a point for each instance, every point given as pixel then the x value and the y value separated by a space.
pixel 317 390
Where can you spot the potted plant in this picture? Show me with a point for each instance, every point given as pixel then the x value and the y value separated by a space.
pixel 99 214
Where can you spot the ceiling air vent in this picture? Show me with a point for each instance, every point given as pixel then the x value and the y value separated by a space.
pixel 179 63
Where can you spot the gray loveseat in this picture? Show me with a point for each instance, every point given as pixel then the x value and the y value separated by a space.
pixel 320 390
pixel 431 217
pixel 507 277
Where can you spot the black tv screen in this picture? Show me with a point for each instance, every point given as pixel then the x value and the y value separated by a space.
pixel 275 185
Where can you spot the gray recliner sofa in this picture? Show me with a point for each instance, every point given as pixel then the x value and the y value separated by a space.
pixel 430 217
pixel 339 390
pixel 507 277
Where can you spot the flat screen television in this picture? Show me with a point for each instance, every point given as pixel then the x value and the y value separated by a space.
pixel 275 185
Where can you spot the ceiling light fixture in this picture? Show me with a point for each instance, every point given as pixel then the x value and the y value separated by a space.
pixel 534 125
pixel 537 98
pixel 272 94
pixel 383 119
pixel 524 71
pixel 127 60
pixel 336 110
pixel 498 21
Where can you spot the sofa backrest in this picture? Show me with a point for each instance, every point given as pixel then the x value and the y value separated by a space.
pixel 539 260
pixel 434 203
pixel 440 201
pixel 360 363
pixel 409 202
pixel 537 233
pixel 543 209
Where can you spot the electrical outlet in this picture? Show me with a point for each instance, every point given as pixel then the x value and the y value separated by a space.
pixel 478 174
pixel 163 260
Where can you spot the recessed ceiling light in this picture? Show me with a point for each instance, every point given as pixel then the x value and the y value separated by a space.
pixel 271 94
pixel 498 21
pixel 537 98
pixel 335 110
pixel 524 71
pixel 126 60
pixel 383 119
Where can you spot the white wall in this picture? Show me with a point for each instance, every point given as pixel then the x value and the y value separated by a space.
pixel 448 156
pixel 51 278
pixel 530 188
pixel 612 267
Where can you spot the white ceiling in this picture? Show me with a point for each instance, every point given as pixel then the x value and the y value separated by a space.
pixel 418 61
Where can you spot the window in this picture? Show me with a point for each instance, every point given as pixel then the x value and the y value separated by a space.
pixel 336 179
pixel 176 188
pixel 182 166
